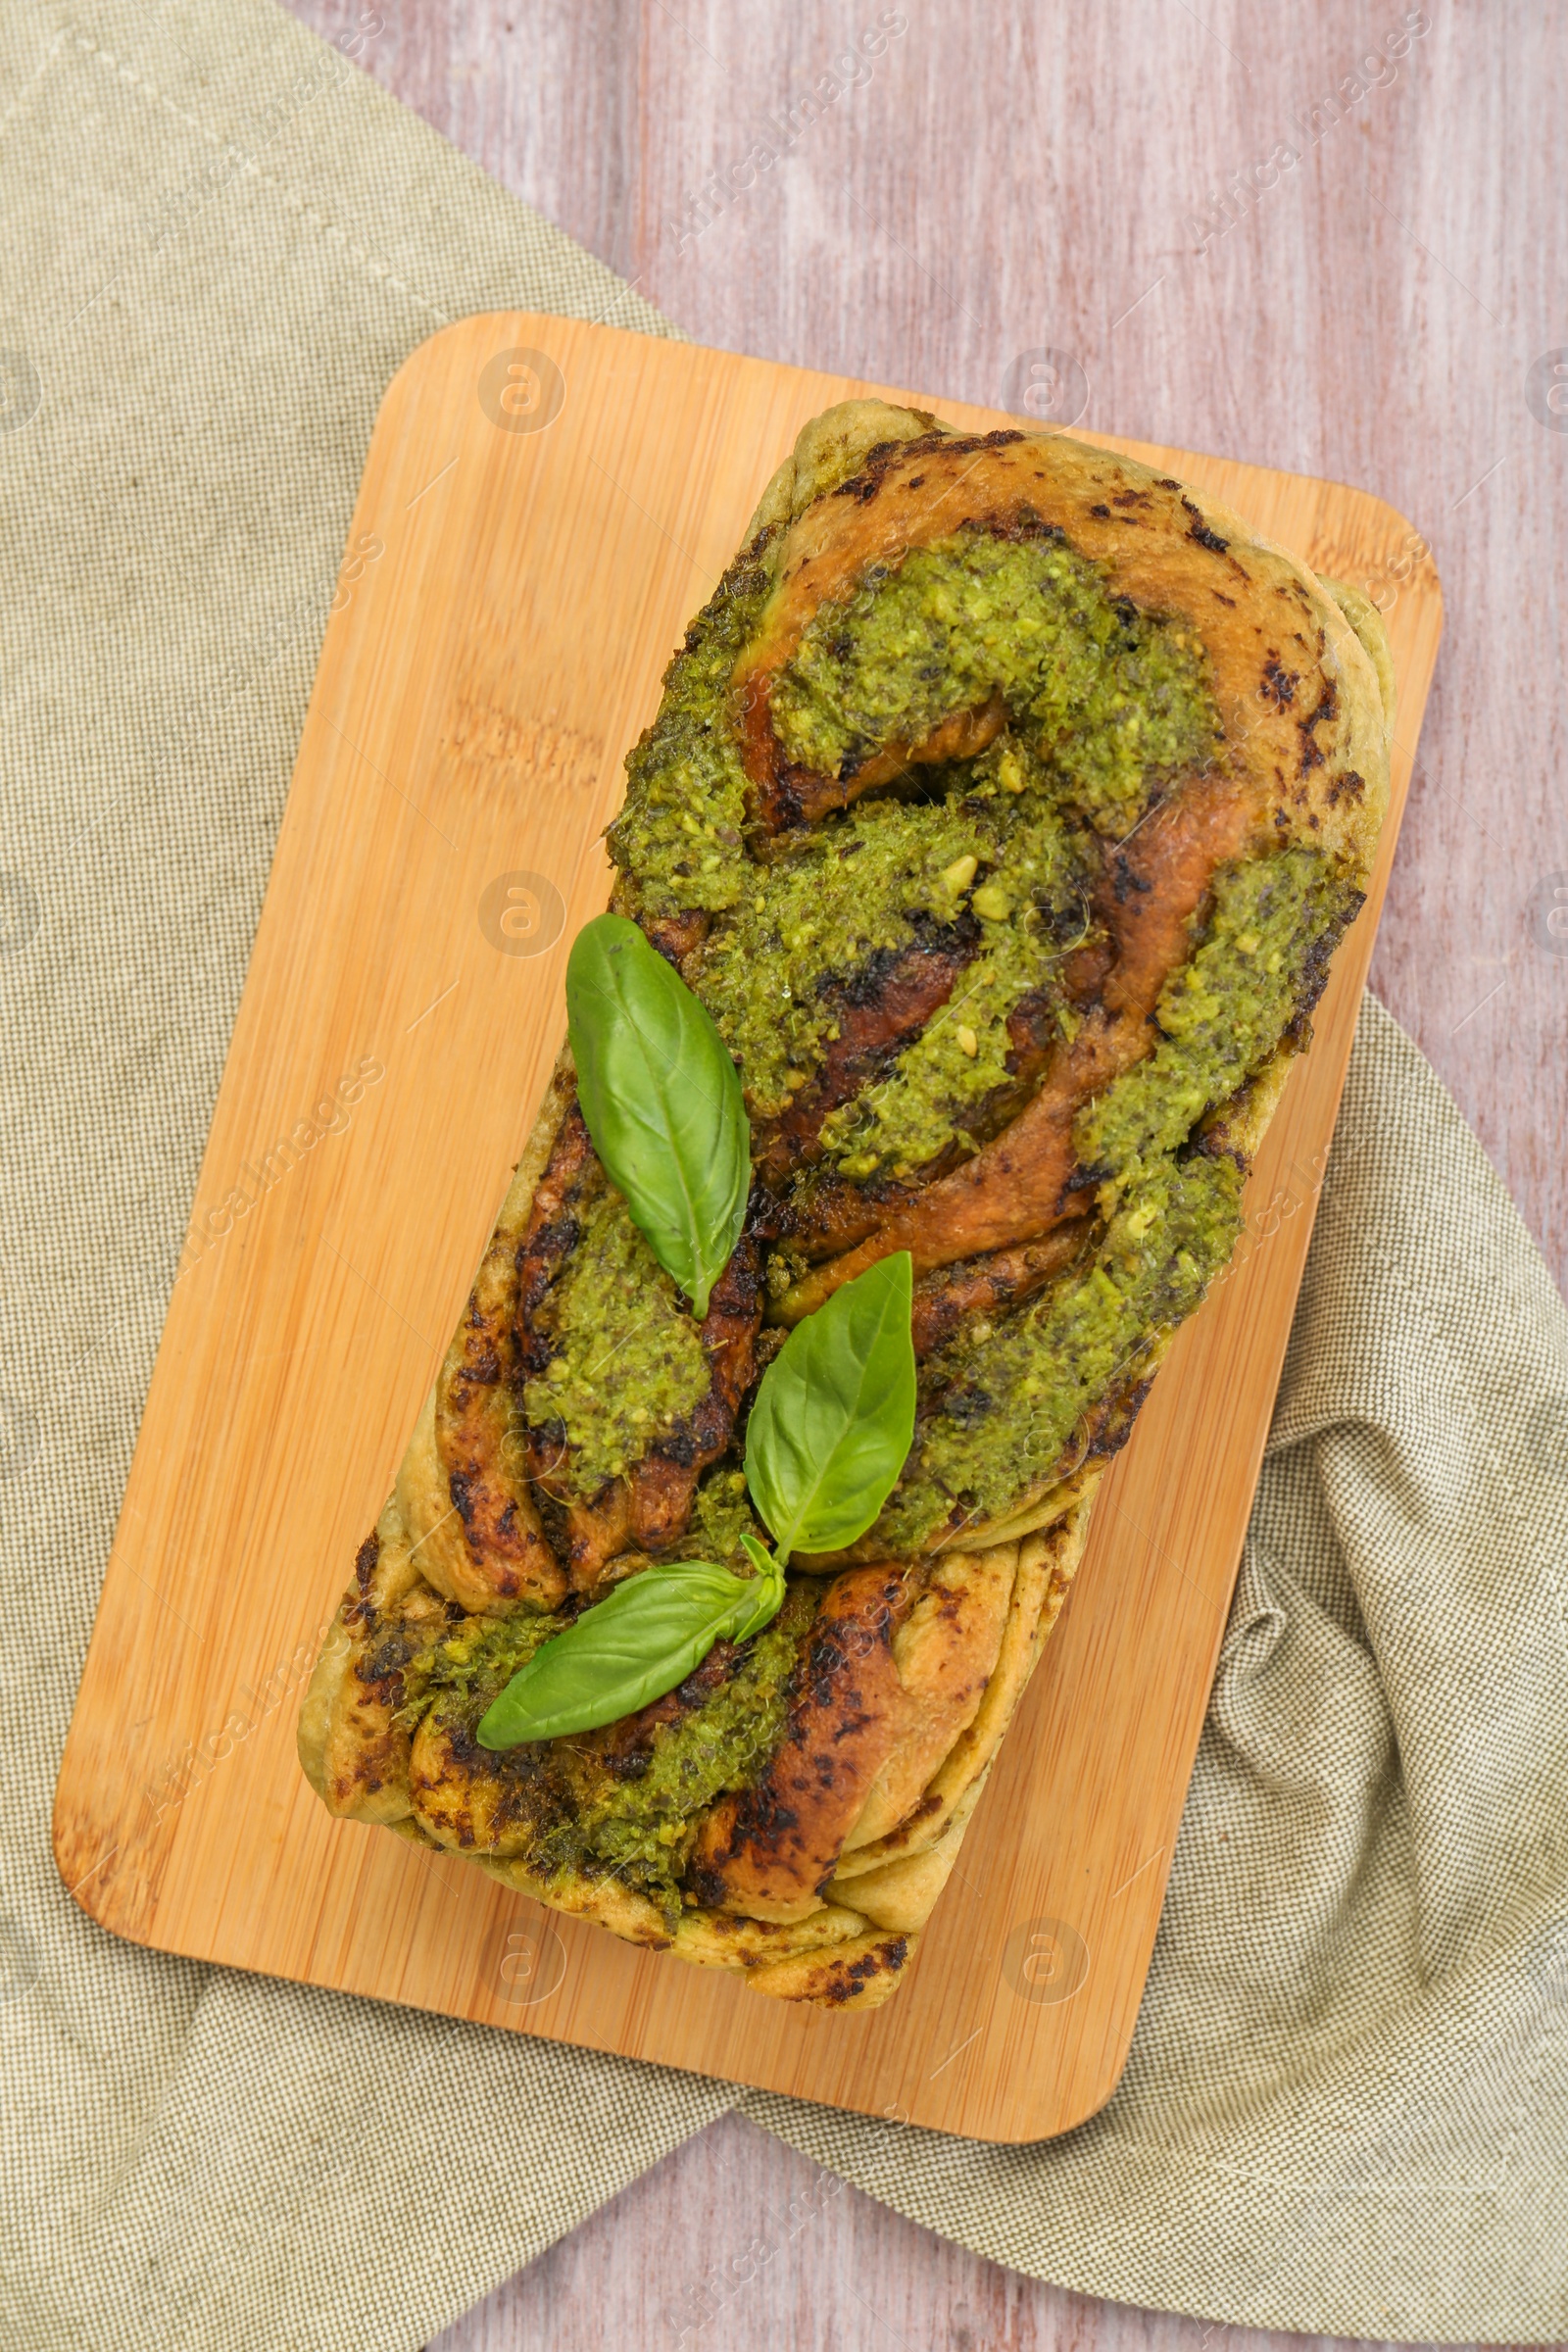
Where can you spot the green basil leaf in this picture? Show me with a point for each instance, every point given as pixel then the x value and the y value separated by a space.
pixel 768 1573
pixel 834 1418
pixel 662 1102
pixel 629 1648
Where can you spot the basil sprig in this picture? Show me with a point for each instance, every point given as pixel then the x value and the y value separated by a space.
pixel 833 1422
pixel 662 1102
pixel 834 1418
pixel 629 1649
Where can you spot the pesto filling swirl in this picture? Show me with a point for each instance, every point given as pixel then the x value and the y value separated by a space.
pixel 992 863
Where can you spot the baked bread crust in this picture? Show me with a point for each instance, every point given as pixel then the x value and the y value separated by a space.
pixel 814 1873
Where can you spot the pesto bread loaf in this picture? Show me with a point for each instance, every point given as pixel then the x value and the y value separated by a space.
pixel 1004 808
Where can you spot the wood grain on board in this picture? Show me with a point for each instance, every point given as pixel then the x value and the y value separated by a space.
pixel 513 585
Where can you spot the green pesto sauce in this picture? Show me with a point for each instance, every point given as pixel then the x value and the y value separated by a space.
pixel 679 834
pixel 475 1662
pixel 720 1515
pixel 631 1362
pixel 868 883
pixel 1103 701
pixel 1029 895
pixel 1222 1012
pixel 1106 692
pixel 1012 1393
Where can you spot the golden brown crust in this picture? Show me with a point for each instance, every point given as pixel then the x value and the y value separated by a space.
pixel 943 1655
pixel 461 1489
pixel 354 1750
pixel 769 1851
pixel 1047 1560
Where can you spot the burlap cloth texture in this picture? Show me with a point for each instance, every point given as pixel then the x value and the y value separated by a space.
pixel 1347 2106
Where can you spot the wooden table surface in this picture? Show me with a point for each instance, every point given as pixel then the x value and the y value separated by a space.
pixel 1248 240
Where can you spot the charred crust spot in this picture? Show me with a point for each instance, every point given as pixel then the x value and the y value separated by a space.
pixel 1278 685
pixel 458 1486
pixel 1348 786
pixel 1315 967
pixel 867 480
pixel 389 1658
pixel 1220 598
pixel 851 1977
pixel 964 445
pixel 1113 1425
pixel 365 1559
pixel 879 460
pixel 1023 523
pixel 482 1367
pixel 1312 754
pixel 764 1816
pixel 1201 532
pixel 1125 876
pixel 1098 509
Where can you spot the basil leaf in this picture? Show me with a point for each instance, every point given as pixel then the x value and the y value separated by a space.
pixel 662 1102
pixel 834 1418
pixel 629 1648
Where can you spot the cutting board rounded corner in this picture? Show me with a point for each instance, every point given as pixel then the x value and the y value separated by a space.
pixel 82 1867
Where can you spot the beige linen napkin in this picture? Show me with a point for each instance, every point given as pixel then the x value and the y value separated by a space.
pixel 1348 2102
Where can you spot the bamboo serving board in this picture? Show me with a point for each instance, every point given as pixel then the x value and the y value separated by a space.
pixel 544 506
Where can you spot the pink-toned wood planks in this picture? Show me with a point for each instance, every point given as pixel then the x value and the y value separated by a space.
pixel 512 586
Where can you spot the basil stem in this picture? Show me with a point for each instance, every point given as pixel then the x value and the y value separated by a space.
pixel 662 1102
pixel 630 1648
pixel 834 1418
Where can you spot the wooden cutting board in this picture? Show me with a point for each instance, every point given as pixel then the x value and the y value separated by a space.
pixel 544 506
